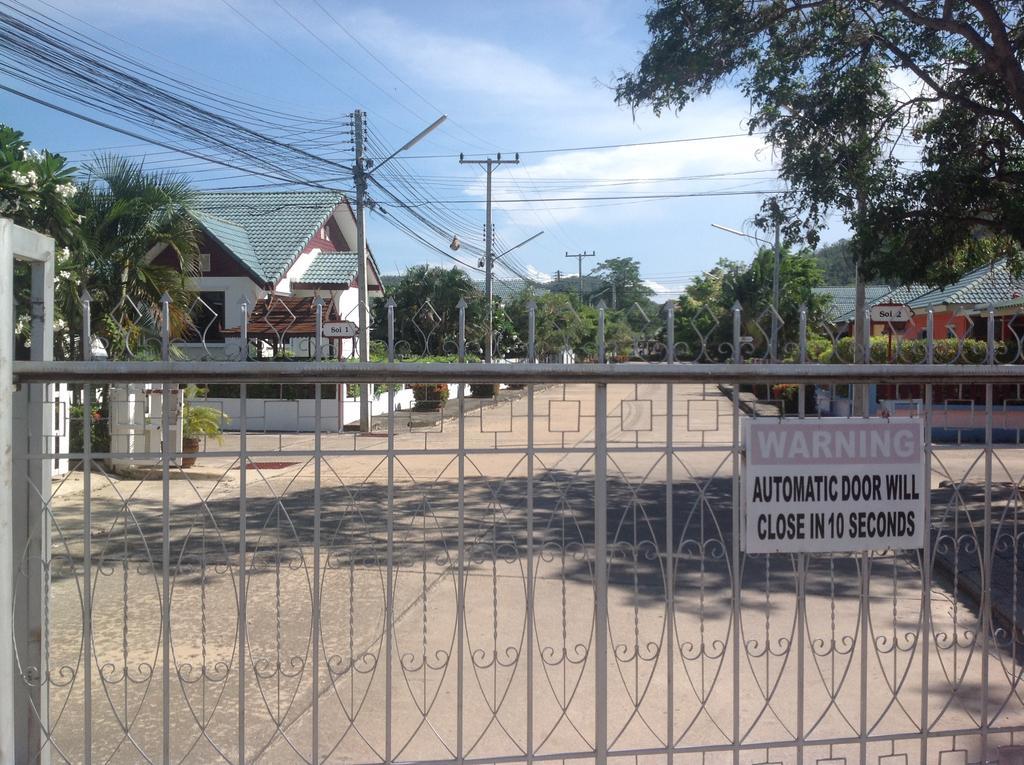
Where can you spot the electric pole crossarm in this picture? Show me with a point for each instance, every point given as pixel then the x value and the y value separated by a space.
pixel 579 257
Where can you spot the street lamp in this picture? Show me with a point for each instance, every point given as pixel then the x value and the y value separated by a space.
pixel 774 348
pixel 362 172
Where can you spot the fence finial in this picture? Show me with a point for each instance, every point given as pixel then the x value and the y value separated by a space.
pixel 670 331
pixel 531 331
pixel 391 327
pixel 165 328
pixel 803 333
pixel 461 305
pixel 318 339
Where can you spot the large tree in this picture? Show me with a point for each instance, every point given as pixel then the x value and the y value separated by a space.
pixel 838 87
pixel 623 286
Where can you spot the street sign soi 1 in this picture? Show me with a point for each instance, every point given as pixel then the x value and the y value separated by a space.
pixel 833 485
pixel 341 329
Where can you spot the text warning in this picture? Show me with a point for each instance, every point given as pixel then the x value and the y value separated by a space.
pixel 833 485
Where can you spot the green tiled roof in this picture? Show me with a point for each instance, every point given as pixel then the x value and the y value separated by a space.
pixel 276 224
pixel 988 284
pixel 844 299
pixel 233 238
pixel 331 268
pixel 508 289
pixel 898 296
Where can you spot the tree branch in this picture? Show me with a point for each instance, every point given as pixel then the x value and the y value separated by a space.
pixel 998 56
pixel 925 76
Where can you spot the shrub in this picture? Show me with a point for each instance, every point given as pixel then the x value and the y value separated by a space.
pixel 429 397
pixel 99 432
pixel 483 390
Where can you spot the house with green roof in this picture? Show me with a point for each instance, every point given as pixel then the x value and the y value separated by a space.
pixel 962 308
pixel 289 245
pixel 959 309
pixel 841 301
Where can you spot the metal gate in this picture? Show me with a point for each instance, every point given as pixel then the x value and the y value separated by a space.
pixel 550 572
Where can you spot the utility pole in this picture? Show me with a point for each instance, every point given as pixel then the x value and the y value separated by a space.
pixel 363 308
pixel 579 257
pixel 558 275
pixel 490 164
pixel 362 171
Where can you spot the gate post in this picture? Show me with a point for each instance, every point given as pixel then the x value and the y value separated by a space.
pixel 24 524
pixel 7 669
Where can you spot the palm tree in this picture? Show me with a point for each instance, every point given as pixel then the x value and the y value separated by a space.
pixel 427 313
pixel 124 213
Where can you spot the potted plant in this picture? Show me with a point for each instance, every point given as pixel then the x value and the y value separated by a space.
pixel 198 422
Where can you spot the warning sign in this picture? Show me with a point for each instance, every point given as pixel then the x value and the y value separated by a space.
pixel 833 485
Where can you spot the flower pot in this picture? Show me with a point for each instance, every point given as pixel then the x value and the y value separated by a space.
pixel 189 446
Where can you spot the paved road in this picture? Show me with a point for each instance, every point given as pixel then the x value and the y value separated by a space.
pixel 507 657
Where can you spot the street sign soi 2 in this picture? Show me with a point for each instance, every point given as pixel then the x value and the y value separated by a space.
pixel 341 329
pixel 891 312
pixel 833 485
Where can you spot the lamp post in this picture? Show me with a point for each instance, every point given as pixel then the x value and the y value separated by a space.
pixel 362 172
pixel 777 247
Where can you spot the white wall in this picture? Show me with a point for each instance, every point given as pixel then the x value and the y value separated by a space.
pixel 234 289
pixel 298 268
pixel 298 416
pixel 136 420
pixel 276 415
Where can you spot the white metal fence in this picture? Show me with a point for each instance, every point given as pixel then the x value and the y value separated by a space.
pixel 546 574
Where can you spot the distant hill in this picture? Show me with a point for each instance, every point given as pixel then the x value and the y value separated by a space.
pixel 836 263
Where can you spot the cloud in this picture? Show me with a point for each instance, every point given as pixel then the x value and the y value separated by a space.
pixel 566 180
pixel 468 65
pixel 537 275
pixel 204 14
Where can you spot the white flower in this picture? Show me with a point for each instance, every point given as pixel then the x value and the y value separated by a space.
pixel 25 179
pixel 66 275
pixel 65 252
pixel 67 190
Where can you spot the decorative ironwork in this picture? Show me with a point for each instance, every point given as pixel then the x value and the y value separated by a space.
pixel 546 573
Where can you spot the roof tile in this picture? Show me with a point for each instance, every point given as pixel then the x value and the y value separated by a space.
pixel 276 224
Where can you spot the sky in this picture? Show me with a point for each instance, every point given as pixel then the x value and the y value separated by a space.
pixel 530 76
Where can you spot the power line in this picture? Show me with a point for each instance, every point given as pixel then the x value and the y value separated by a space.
pixel 606 146
pixel 623 198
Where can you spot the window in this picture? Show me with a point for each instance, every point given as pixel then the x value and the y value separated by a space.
pixel 208 318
